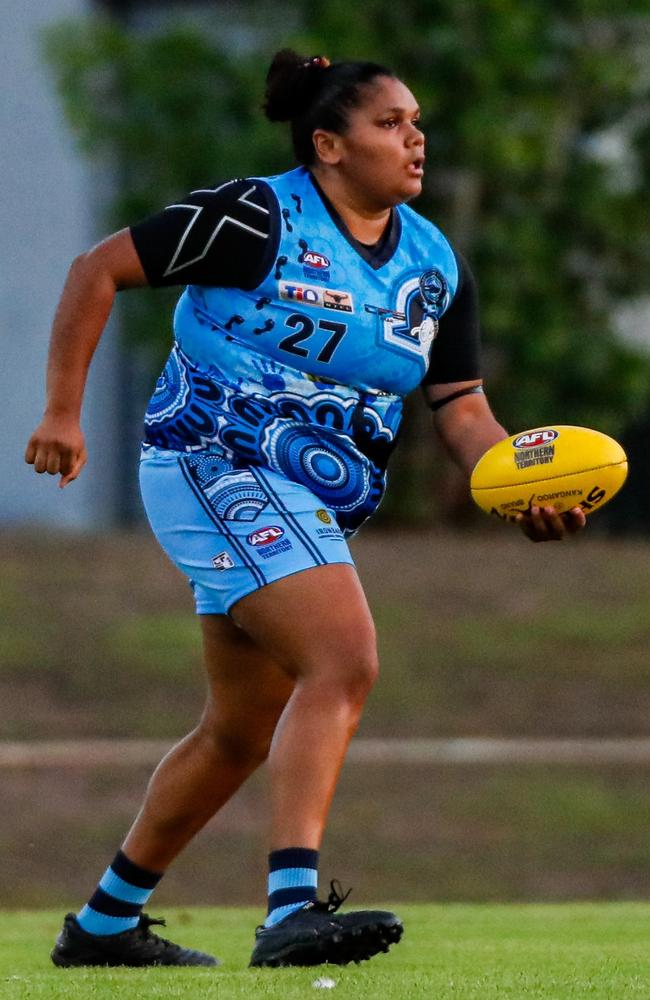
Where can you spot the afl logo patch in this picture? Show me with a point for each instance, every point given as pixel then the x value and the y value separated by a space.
pixel 434 292
pixel 533 439
pixel 264 536
pixel 313 259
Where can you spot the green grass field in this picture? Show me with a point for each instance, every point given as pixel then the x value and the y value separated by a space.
pixel 448 951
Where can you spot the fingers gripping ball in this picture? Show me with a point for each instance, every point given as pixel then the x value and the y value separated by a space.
pixel 556 466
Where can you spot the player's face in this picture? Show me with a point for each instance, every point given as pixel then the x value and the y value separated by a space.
pixel 382 151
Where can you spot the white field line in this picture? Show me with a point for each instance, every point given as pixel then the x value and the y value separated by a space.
pixel 129 753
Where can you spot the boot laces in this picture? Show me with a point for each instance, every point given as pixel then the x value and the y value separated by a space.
pixel 335 899
pixel 144 927
pixel 146 922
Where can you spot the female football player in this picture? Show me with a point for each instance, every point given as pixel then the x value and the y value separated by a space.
pixel 314 302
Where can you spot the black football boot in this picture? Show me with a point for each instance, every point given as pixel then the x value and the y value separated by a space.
pixel 136 947
pixel 313 935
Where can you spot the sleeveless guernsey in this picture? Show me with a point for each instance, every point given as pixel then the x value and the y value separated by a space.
pixel 305 373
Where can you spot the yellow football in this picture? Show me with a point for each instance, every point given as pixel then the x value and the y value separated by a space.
pixel 555 466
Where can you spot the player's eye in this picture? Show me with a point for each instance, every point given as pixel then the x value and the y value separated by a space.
pixel 389 123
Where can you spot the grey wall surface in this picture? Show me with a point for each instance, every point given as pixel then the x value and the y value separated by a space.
pixel 48 217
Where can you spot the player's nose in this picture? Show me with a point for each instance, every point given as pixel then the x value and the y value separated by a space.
pixel 415 137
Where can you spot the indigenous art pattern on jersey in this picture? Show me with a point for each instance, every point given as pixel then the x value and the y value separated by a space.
pixel 332 440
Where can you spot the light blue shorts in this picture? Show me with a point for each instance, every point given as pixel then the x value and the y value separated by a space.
pixel 233 531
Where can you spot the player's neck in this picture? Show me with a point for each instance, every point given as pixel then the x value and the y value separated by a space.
pixel 366 222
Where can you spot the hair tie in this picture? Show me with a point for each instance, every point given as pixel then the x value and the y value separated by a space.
pixel 317 62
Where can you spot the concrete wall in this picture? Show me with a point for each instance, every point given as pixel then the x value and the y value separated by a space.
pixel 48 216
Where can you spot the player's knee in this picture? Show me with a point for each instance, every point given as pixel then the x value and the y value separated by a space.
pixel 360 674
pixel 235 744
pixel 352 674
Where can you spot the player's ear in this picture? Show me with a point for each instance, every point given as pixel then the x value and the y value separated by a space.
pixel 327 146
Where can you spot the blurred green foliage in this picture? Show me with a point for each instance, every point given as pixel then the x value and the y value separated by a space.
pixel 538 160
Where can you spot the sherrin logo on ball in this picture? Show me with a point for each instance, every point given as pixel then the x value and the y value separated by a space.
pixel 559 466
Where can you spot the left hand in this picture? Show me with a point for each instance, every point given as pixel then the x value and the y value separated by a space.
pixel 544 524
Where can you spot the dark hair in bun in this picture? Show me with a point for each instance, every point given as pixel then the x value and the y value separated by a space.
pixel 310 93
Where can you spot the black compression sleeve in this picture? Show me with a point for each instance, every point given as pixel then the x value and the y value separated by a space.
pixel 455 355
pixel 226 235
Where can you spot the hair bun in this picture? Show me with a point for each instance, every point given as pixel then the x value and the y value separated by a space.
pixel 291 84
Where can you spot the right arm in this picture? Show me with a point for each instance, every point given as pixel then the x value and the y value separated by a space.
pixel 225 235
pixel 57 445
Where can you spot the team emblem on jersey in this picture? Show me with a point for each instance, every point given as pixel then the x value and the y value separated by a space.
pixel 435 292
pixel 412 323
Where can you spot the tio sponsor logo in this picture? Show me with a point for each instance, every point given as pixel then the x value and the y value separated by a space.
pixel 316 295
pixel 264 536
pixel 314 259
pixel 532 439
pixel 309 294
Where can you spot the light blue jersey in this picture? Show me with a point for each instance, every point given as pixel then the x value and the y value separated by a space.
pixel 305 373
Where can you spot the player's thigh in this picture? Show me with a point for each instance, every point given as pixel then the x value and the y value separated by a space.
pixel 316 621
pixel 247 688
pixel 282 568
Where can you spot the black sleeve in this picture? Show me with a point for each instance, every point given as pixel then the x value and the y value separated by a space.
pixel 455 354
pixel 226 235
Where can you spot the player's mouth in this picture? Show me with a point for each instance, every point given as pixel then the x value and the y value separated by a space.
pixel 416 167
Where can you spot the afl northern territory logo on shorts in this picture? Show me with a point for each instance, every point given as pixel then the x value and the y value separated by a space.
pixel 269 541
pixel 265 536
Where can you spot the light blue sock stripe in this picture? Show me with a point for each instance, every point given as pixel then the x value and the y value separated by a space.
pixel 101 923
pixel 280 912
pixel 117 887
pixel 293 878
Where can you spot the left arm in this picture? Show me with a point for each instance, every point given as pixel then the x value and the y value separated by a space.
pixel 462 418
pixel 466 425
pixel 467 428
